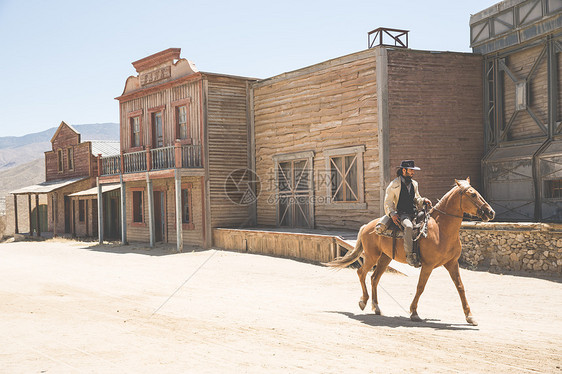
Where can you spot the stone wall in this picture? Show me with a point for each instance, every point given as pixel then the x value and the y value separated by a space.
pixel 500 247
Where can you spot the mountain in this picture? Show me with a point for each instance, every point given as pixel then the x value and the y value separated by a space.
pixel 18 150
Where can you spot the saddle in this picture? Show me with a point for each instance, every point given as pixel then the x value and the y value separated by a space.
pixel 393 231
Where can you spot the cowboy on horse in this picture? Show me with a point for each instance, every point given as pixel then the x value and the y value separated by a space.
pixel 401 201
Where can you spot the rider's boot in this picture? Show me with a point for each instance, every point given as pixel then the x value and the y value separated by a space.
pixel 412 257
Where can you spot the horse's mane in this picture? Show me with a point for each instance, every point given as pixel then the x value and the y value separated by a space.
pixel 449 194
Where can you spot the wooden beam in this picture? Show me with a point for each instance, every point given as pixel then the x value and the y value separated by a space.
pixel 37 215
pixel 123 211
pixel 29 210
pixel 16 214
pixel 179 209
pixel 100 213
pixel 150 197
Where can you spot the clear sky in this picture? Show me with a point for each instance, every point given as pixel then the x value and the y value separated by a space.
pixel 68 60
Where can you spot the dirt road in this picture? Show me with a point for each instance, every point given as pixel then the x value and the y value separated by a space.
pixel 71 307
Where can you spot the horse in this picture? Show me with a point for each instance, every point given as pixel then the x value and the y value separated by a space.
pixel 441 247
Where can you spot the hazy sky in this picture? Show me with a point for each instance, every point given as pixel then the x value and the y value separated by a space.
pixel 68 60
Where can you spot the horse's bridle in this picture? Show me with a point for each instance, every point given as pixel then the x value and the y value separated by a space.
pixel 479 212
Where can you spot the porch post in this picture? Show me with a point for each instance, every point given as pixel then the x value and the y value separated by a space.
pixel 29 215
pixel 16 214
pixel 123 212
pixel 150 209
pixel 100 213
pixel 55 213
pixel 179 208
pixel 37 215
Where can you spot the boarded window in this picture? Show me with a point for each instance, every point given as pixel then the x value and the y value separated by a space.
pixel 81 211
pixel 135 131
pixel 344 178
pixel 70 158
pixel 553 189
pixel 137 206
pixel 60 160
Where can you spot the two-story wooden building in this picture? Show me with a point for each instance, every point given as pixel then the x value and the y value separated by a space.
pixel 71 166
pixel 183 132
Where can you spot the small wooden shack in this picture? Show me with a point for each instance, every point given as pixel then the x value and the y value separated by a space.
pixel 71 166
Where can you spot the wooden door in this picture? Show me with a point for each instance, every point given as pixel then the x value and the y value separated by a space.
pixel 294 201
pixel 159 216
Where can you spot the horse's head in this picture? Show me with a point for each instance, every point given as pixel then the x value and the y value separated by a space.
pixel 473 203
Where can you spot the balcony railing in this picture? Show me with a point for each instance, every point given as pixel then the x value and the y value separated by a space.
pixel 177 156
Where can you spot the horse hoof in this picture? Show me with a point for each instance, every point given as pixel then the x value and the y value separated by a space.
pixel 471 321
pixel 376 309
pixel 362 304
pixel 414 317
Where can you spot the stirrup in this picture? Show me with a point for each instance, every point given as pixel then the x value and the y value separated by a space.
pixel 413 259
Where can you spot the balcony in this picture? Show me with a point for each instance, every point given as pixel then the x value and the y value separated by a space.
pixel 176 156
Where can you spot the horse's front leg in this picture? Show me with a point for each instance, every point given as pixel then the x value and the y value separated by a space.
pixel 453 269
pixel 425 272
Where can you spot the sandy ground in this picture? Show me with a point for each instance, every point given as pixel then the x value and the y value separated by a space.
pixel 77 307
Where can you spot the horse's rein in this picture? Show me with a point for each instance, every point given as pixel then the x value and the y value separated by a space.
pixel 463 191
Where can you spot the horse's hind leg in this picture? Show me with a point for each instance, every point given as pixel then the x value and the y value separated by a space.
pixel 362 273
pixel 453 269
pixel 382 264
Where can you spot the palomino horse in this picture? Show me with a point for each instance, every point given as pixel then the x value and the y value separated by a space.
pixel 442 246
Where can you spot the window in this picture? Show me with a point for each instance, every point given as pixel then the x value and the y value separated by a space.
pixel 60 160
pixel 344 177
pixel 182 121
pixel 70 158
pixel 137 206
pixel 81 211
pixel 186 206
pixel 157 134
pixel 135 132
pixel 181 118
pixel 134 119
pixel 553 189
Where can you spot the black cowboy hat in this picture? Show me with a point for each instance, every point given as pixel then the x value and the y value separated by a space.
pixel 408 164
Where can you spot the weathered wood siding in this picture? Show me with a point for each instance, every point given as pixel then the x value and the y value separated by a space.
pixel 520 64
pixel 188 90
pixel 435 116
pixel 227 126
pixel 318 248
pixel 57 210
pixel 82 161
pixel 139 232
pixel 323 107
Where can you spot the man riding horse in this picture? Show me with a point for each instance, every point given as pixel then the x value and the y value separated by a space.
pixel 400 203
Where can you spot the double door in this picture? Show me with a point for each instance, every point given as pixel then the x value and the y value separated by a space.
pixel 294 187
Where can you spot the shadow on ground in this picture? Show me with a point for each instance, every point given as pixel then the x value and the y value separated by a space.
pixel 400 321
pixel 159 249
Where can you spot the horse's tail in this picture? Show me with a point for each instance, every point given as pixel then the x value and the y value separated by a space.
pixel 350 257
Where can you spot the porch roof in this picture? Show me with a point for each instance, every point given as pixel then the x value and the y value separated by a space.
pixel 46 187
pixel 94 190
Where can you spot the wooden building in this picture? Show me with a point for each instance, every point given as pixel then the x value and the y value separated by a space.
pixel 521 41
pixel 328 137
pixel 182 133
pixel 70 166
